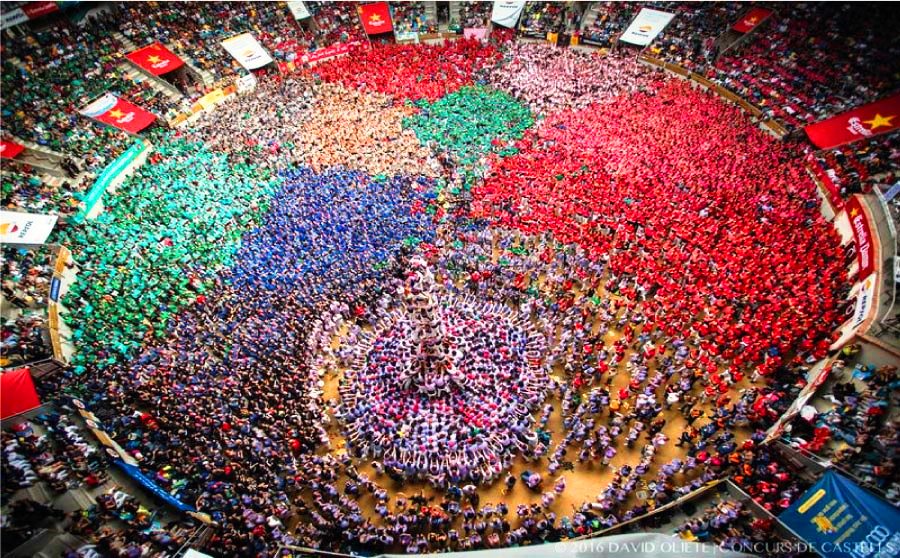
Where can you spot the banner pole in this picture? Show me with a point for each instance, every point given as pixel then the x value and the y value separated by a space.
pixel 359 19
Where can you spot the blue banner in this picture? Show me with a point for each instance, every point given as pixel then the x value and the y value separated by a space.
pixel 841 520
pixel 150 486
pixel 54 289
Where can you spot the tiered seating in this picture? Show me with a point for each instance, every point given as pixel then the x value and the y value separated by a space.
pixel 25 288
pixel 852 424
pixel 336 22
pixel 859 167
pixel 474 14
pixel 116 523
pixel 689 39
pixel 612 17
pixel 814 60
pixel 410 17
pixel 540 18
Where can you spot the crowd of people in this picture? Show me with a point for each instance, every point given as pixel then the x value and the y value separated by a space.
pixel 547 80
pixel 813 61
pixel 642 187
pixel 157 244
pixel 410 17
pixel 850 423
pixel 668 254
pixel 26 275
pixel 473 15
pixel 459 410
pixel 411 71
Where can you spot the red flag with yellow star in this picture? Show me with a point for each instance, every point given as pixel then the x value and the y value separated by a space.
pixel 751 20
pixel 119 113
pixel 156 59
pixel 860 123
pixel 376 18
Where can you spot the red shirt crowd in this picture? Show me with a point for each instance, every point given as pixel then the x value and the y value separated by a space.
pixel 411 71
pixel 711 216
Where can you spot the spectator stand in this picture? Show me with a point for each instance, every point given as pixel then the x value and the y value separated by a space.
pixel 850 420
pixel 61 496
pixel 731 39
pixel 730 518
pixel 38 180
pixel 603 22
pixel 34 279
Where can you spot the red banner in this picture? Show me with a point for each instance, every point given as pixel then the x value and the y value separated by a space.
pixel 860 123
pixel 831 181
pixel 751 20
pixel 862 235
pixel 156 59
pixel 18 391
pixel 9 150
pixel 111 110
pixel 37 9
pixel 376 18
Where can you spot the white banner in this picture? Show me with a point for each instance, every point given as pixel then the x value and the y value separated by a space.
pixel 298 9
pixel 507 12
pixel 25 228
pixel 406 36
pixel 646 26
pixel 13 17
pixel 865 299
pixel 247 50
pixel 245 83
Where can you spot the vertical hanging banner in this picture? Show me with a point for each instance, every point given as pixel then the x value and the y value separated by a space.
pixel 751 20
pixel 376 18
pixel 506 13
pixel 25 228
pixel 646 26
pixel 119 113
pixel 156 59
pixel 862 236
pixel 860 123
pixel 841 520
pixel 10 150
pixel 247 51
pixel 298 10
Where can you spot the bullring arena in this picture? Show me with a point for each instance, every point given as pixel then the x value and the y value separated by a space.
pixel 383 278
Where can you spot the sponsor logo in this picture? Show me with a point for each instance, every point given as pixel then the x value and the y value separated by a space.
pixel 858 220
pixel 157 63
pixel 855 124
pixel 100 106
pixel 823 524
pixel 751 21
pixel 375 20
pixel 121 117
pixel 8 228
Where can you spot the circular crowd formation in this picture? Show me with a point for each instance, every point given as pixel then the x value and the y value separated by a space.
pixel 343 309
pixel 458 417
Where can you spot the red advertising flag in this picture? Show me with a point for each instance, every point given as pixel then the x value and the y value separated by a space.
pixel 37 9
pixel 18 394
pixel 860 123
pixel 376 18
pixel 751 20
pixel 9 150
pixel 156 59
pixel 119 113
pixel 862 236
